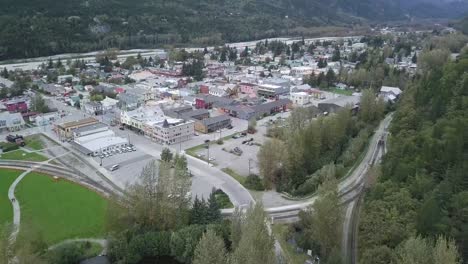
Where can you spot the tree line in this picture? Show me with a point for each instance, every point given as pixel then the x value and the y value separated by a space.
pixel 417 207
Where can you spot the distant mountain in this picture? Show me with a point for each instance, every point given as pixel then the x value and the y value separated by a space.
pixel 38 28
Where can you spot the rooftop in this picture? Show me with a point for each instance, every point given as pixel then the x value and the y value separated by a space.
pixel 77 123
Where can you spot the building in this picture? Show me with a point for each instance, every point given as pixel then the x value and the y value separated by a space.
pixel 257 111
pixel 169 131
pixel 11 121
pixel 390 94
pixel 16 106
pixel 65 130
pixel 271 90
pixel 300 98
pixel 334 104
pixel 5 83
pixel 249 89
pixel 153 123
pixel 212 124
pixel 92 108
pixel 45 119
pixel 128 101
pixel 96 138
pixel 108 104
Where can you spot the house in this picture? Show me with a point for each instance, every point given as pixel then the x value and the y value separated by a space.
pixel 108 104
pixel 5 83
pixel 53 89
pixel 45 119
pixel 92 108
pixel 11 121
pixel 15 106
pixel 334 104
pixel 300 98
pixel 390 94
pixel 64 78
pixel 65 130
pixel 212 124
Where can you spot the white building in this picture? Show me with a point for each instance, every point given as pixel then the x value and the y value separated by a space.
pixel 390 93
pixel 99 140
pixel 300 98
pixel 108 104
pixel 170 130
pixel 154 124
pixel 11 121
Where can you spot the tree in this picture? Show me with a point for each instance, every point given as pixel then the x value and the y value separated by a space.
pixel 371 108
pixel 237 221
pixel 159 200
pixel 271 159
pixel 330 77
pixel 5 73
pixel 184 241
pixel 198 213
pixel 336 54
pixel 252 126
pixel 445 251
pixel 38 104
pixel 323 220
pixel 415 251
pixel 166 155
pixel 223 56
pixel 214 210
pixel 210 249
pixel 67 254
pixel 256 244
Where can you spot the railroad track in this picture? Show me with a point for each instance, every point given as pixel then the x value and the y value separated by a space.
pixel 58 171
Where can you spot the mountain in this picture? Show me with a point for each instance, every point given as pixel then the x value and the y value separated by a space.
pixel 40 28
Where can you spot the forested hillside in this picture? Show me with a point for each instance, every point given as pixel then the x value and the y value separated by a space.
pixel 39 28
pixel 423 189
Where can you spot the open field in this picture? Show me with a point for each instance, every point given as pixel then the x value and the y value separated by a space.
pixel 22 155
pixel 7 177
pixel 60 209
pixel 34 142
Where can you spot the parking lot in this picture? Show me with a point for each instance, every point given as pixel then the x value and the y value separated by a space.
pixel 225 155
pixel 130 165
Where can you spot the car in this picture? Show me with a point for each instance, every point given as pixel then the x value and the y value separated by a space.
pixel 133 149
pixel 212 159
pixel 115 167
pixel 102 156
pixel 196 134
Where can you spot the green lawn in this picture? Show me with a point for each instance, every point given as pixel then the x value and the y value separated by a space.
pixel 34 142
pixel 60 210
pixel 343 92
pixel 22 155
pixel 7 177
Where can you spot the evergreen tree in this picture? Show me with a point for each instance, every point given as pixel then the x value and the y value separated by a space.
pixel 210 249
pixel 166 155
pixel 198 213
pixel 214 210
pixel 5 73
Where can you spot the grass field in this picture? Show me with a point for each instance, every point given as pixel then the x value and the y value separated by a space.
pixel 342 92
pixel 60 210
pixel 34 142
pixel 7 177
pixel 22 155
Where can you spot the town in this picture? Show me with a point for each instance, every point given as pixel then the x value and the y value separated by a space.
pixel 268 122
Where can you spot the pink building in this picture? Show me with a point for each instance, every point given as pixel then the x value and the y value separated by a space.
pixel 248 88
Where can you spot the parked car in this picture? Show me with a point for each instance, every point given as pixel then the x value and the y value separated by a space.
pixel 115 167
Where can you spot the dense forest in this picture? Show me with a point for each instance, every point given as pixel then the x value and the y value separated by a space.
pixel 41 28
pixel 422 192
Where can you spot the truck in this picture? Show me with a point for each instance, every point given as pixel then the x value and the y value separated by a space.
pixel 17 139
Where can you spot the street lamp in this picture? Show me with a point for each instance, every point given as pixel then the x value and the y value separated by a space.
pixel 207 146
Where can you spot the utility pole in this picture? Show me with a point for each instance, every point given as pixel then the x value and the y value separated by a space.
pixel 207 142
pixel 250 160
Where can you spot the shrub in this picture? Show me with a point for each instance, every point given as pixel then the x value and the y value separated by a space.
pixel 253 182
pixel 220 141
pixel 8 146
